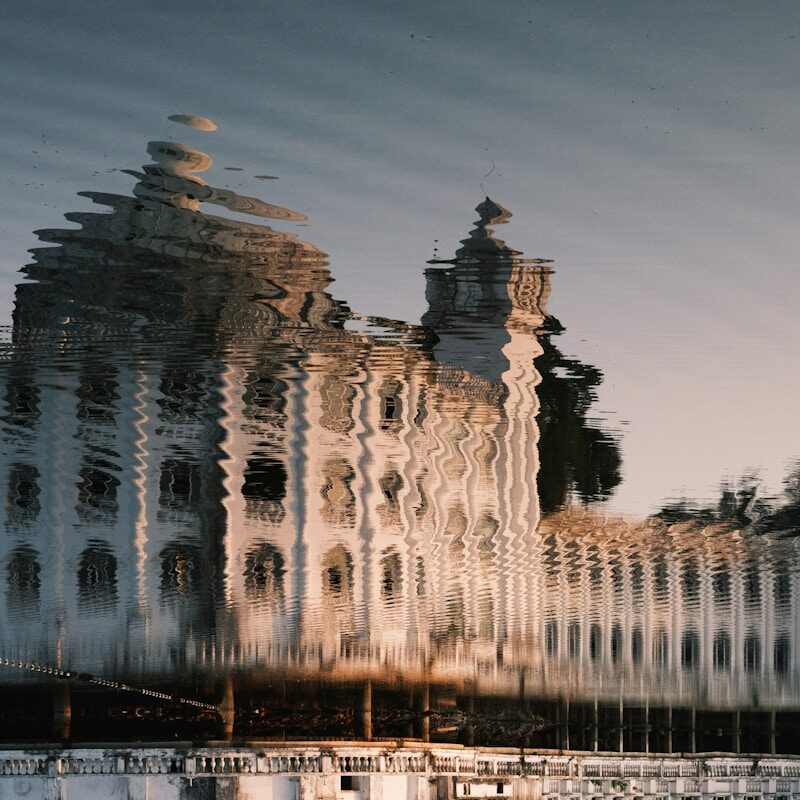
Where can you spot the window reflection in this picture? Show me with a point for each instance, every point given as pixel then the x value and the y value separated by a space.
pixel 781 655
pixel 179 484
pixel 574 640
pixel 637 645
pixel 721 586
pixel 551 638
pixel 690 649
pixel 721 650
pixel 391 409
pixel 264 488
pixel 23 583
pixel 181 566
pixel 595 642
pixel 660 648
pixel 264 570
pixel 22 494
pixel 337 397
pixel 752 653
pixel 616 642
pixel 339 506
pixel 391 575
pixel 97 578
pixel 337 573
pixel 97 492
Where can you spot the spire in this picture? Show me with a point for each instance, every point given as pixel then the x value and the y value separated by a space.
pixel 481 242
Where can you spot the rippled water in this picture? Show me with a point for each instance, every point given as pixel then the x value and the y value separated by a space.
pixel 237 501
pixel 217 470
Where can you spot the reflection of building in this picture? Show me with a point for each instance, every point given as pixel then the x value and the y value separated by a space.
pixel 209 462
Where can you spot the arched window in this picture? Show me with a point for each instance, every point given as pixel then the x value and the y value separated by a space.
pixel 391 575
pixel 690 581
pixel 637 645
pixel 97 394
pixel 181 571
pixel 616 642
pixel 690 649
pixel 339 502
pixel 574 640
pixel 721 585
pixel 752 586
pixel 782 588
pixel 595 642
pixel 336 399
pixel 391 484
pixel 781 655
pixel 22 495
pixel 264 572
pixel 179 485
pixel 752 653
pixel 97 578
pixel 391 405
pixel 264 488
pixel 551 638
pixel 721 654
pixel 660 578
pixel 637 577
pixel 265 398
pixel 97 492
pixel 22 581
pixel 660 648
pixel 337 573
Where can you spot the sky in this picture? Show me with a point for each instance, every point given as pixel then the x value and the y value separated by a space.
pixel 649 148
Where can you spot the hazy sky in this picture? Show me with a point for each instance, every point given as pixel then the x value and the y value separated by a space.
pixel 650 148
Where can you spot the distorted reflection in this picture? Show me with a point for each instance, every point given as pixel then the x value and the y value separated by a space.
pixel 206 454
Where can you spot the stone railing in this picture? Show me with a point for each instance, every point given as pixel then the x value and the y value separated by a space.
pixel 560 772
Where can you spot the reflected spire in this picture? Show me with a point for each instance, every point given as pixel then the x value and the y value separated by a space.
pixel 476 299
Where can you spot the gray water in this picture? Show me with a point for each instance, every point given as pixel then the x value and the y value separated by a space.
pixel 283 416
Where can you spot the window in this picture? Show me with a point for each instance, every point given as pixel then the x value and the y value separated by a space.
pixel 263 573
pixel 660 648
pixel 97 578
pixel 574 640
pixel 595 642
pixel 616 642
pixel 752 653
pixel 690 649
pixel 346 783
pixel 551 638
pixel 752 587
pixel 22 580
pixel 391 575
pixel 181 570
pixel 782 588
pixel 339 502
pixel 691 582
pixel 660 578
pixel 721 585
pixel 22 497
pixel 637 645
pixel 721 650
pixel 179 484
pixel 97 492
pixel 264 488
pixel 337 399
pixel 781 653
